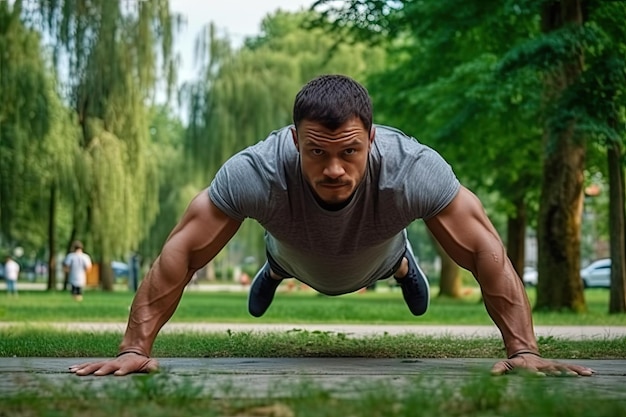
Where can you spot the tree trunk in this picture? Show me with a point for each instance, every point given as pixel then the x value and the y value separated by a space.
pixel 560 286
pixel 516 238
pixel 106 274
pixel 450 277
pixel 52 264
pixel 617 213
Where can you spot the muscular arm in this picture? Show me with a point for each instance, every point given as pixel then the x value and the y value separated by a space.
pixel 199 236
pixel 465 232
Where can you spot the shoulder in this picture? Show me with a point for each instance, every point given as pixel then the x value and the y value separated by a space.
pixel 264 160
pixel 393 149
pixel 275 147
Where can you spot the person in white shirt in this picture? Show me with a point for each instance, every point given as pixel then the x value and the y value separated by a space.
pixel 11 273
pixel 77 263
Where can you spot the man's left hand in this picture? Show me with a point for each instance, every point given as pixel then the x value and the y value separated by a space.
pixel 540 366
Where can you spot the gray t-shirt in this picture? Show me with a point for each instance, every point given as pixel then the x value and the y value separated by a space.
pixel 335 252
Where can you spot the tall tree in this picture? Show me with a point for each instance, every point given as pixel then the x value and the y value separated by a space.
pixel 24 122
pixel 563 167
pixel 442 86
pixel 603 119
pixel 112 52
pixel 36 142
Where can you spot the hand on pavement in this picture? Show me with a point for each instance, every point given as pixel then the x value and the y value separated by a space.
pixel 540 366
pixel 125 364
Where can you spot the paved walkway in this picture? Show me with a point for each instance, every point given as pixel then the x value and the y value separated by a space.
pixel 353 330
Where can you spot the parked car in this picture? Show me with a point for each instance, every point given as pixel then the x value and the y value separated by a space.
pixel 120 270
pixel 530 276
pixel 597 274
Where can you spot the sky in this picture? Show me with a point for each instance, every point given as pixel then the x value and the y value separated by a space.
pixel 237 19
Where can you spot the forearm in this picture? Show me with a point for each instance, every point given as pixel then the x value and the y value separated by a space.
pixel 199 236
pixel 507 304
pixel 154 304
pixel 465 232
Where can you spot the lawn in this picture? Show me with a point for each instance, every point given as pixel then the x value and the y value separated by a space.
pixel 35 309
pixel 288 307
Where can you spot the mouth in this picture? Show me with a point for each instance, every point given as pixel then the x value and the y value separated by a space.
pixel 328 184
pixel 333 186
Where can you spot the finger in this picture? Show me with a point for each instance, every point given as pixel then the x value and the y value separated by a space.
pixel 99 368
pixel 575 370
pixel 78 366
pixel 86 368
pixel 561 369
pixel 145 366
pixel 501 368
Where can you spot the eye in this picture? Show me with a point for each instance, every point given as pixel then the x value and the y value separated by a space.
pixel 317 152
pixel 350 151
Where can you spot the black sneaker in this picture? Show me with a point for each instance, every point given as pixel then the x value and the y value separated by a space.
pixel 262 291
pixel 415 288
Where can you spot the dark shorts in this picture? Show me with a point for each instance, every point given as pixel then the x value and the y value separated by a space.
pixel 77 290
pixel 284 274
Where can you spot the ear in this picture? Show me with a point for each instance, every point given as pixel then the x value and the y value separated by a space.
pixel 372 135
pixel 294 137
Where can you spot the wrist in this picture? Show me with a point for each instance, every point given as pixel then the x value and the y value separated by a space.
pixel 524 352
pixel 135 351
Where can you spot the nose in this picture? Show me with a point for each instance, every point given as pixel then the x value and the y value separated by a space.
pixel 334 169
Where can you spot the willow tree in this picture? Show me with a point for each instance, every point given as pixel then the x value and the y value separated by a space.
pixel 244 94
pixel 36 142
pixel 24 122
pixel 115 53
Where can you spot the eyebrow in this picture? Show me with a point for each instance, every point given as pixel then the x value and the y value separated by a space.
pixel 313 142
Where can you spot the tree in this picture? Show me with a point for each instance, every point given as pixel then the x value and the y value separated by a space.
pixel 112 63
pixel 36 145
pixel 442 85
pixel 603 120
pixel 578 55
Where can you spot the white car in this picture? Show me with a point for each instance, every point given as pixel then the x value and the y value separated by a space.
pixel 530 276
pixel 597 274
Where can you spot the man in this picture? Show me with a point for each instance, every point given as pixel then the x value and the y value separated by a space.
pixel 76 264
pixel 334 194
pixel 11 274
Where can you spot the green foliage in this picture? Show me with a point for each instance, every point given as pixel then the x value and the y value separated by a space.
pixel 111 55
pixel 35 135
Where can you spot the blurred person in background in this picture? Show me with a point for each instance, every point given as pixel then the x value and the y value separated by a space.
pixel 11 274
pixel 76 264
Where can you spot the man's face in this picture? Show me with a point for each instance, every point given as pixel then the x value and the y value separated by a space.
pixel 333 161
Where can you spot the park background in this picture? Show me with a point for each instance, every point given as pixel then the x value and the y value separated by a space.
pixel 101 141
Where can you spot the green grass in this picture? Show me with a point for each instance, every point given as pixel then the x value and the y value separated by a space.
pixel 33 310
pixel 163 395
pixel 296 307
pixel 29 341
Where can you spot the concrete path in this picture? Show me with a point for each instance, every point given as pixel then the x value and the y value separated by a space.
pixel 350 330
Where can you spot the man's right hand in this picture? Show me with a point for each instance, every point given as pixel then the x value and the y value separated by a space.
pixel 122 365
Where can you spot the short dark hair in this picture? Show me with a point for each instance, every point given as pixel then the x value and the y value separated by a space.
pixel 77 244
pixel 332 100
